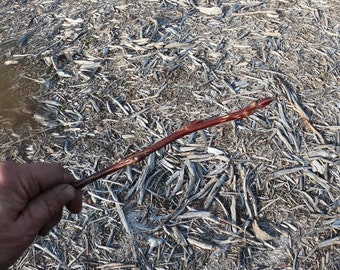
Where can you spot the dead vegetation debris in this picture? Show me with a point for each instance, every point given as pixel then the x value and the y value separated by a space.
pixel 112 77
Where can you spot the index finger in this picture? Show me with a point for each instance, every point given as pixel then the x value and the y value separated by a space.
pixel 31 179
pixel 47 175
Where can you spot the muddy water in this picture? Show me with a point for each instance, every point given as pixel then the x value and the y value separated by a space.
pixel 16 106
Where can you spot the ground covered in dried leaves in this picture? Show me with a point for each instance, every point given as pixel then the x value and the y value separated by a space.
pixel 85 83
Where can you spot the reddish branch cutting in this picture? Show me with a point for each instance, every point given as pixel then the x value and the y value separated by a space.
pixel 185 130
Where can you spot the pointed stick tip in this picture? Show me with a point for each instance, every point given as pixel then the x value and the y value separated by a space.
pixel 265 101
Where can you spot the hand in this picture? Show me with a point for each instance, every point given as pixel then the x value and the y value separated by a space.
pixel 31 200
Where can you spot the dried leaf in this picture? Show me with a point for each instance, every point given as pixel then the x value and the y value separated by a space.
pixel 259 233
pixel 210 11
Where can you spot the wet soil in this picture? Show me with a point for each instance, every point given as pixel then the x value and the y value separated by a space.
pixel 16 104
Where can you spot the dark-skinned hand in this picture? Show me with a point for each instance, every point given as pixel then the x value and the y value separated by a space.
pixel 32 197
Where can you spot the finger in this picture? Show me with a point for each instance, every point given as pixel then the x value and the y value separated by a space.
pixel 46 206
pixel 32 179
pixel 47 175
pixel 49 225
pixel 75 206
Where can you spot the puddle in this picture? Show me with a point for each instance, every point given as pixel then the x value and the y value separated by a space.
pixel 16 106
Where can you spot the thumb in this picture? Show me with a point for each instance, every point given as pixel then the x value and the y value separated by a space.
pixel 47 206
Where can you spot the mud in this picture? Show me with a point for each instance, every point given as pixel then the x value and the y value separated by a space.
pixel 16 104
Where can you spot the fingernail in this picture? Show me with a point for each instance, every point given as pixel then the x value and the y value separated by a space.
pixel 69 192
pixel 68 177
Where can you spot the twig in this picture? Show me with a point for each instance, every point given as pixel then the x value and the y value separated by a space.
pixel 185 130
pixel 296 107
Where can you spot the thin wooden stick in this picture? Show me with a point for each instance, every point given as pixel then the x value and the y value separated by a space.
pixel 185 130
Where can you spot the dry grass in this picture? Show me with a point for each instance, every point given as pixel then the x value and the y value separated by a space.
pixel 261 193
